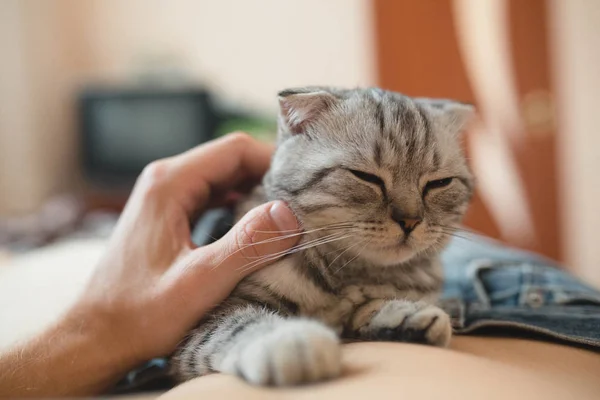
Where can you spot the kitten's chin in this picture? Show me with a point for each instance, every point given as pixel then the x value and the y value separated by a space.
pixel 389 256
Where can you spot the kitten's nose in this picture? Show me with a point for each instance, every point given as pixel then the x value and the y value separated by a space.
pixel 407 223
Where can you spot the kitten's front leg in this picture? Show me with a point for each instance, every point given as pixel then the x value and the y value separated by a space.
pixel 402 321
pixel 262 348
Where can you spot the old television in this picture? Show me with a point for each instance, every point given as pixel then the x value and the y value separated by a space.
pixel 124 129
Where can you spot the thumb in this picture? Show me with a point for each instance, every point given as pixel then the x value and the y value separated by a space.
pixel 259 238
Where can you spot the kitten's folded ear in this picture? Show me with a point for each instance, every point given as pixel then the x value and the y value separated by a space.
pixel 300 107
pixel 454 115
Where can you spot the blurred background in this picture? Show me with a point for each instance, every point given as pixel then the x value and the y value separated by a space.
pixel 91 91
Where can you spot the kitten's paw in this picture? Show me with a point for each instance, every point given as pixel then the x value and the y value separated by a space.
pixel 295 352
pixel 404 321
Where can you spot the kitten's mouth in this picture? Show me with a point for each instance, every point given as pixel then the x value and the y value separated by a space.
pixel 394 253
pixel 400 245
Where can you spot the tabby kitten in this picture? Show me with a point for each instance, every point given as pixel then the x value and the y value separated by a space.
pixel 378 181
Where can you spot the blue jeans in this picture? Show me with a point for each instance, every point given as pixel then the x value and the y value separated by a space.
pixel 495 289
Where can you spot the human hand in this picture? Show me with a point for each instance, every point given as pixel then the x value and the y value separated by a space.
pixel 153 284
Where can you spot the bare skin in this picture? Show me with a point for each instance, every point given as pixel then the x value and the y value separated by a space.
pixel 153 284
pixel 473 368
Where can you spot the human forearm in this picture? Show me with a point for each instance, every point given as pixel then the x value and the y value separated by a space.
pixel 75 357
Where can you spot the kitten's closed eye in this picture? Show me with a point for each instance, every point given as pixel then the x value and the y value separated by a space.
pixel 365 176
pixel 438 183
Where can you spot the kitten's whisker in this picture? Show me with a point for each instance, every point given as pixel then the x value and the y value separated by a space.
pixel 366 242
pixel 304 246
pixel 316 228
pixel 209 236
pixel 455 234
pixel 448 231
pixel 315 244
pixel 332 235
pixel 450 227
pixel 282 237
pixel 339 255
pixel 461 228
pixel 257 243
pixel 293 235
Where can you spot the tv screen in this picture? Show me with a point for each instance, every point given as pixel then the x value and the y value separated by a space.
pixel 124 130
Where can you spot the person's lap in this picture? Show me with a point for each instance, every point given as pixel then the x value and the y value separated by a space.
pixel 473 368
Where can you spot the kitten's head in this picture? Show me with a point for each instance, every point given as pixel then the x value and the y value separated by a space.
pixel 385 170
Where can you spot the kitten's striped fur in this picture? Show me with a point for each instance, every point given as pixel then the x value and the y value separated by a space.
pixel 354 165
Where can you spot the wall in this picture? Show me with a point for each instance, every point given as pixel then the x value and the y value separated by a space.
pixel 576 34
pixel 246 49
pixel 18 133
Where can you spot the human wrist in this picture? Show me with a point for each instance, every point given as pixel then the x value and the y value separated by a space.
pixel 101 337
pixel 73 357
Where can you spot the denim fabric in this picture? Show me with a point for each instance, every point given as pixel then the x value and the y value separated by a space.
pixel 489 288
pixel 492 288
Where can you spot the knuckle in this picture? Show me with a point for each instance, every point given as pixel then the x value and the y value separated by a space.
pixel 240 139
pixel 156 169
pixel 245 241
pixel 155 174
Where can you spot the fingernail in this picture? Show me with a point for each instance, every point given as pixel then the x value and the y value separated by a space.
pixel 283 217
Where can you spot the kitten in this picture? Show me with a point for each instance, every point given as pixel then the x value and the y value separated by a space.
pixel 378 181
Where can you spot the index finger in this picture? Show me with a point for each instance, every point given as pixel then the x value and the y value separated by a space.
pixel 221 163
